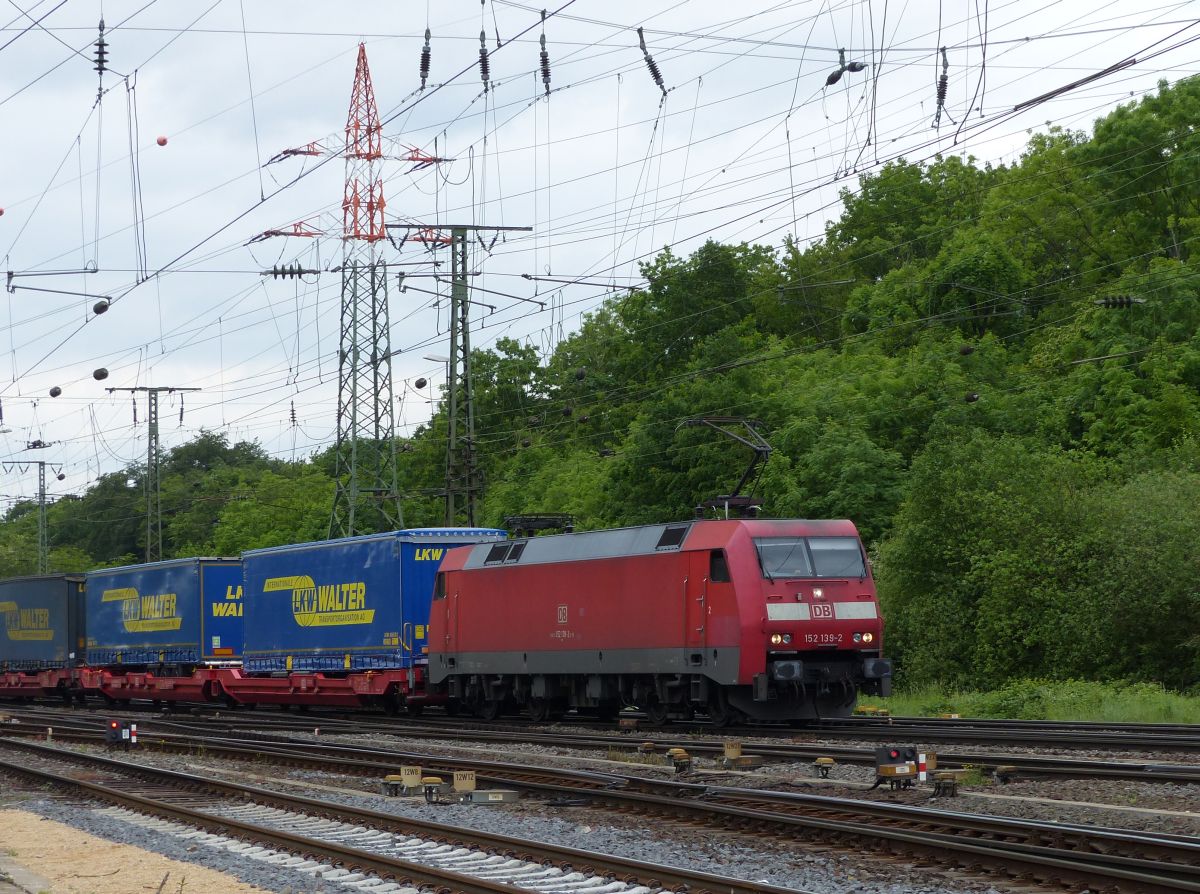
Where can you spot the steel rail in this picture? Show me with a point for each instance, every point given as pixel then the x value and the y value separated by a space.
pixel 949 835
pixel 1026 765
pixel 351 858
pixel 1070 734
pixel 619 868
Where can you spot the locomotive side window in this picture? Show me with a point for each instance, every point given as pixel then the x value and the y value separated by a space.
pixel 783 557
pixel 439 586
pixel 672 537
pixel 718 567
pixel 497 552
pixel 837 557
pixel 514 554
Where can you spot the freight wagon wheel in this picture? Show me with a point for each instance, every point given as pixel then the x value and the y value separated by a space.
pixel 488 710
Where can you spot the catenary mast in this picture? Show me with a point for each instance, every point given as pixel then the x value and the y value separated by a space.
pixel 365 497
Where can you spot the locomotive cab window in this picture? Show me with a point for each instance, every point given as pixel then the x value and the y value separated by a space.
pixel 783 557
pixel 718 567
pixel 439 586
pixel 837 557
pixel 811 557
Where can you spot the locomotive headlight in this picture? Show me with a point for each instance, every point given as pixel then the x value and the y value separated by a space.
pixel 787 638
pixel 858 637
pixel 868 637
pixel 818 593
pixel 776 638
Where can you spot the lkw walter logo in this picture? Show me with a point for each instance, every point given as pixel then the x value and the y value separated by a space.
pixel 26 624
pixel 152 613
pixel 324 605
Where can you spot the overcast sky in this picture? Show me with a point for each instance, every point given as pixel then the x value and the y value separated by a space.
pixel 748 144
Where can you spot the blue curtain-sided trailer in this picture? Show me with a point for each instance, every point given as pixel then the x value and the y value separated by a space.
pixel 43 622
pixel 181 613
pixel 356 603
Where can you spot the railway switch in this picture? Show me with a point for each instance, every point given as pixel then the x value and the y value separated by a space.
pixel 409 781
pixel 435 789
pixel 680 759
pixel 821 767
pixel 945 783
pixel 1005 774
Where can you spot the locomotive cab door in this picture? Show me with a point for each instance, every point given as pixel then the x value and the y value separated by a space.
pixel 446 605
pixel 695 610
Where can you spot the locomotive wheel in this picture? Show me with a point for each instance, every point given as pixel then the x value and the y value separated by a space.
pixel 657 714
pixel 488 710
pixel 414 710
pixel 720 712
pixel 539 710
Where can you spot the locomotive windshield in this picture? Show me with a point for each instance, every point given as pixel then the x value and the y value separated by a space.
pixel 810 557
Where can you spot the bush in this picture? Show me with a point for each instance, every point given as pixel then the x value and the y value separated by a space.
pixel 1032 699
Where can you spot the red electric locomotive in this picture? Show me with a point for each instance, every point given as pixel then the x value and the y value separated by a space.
pixel 773 620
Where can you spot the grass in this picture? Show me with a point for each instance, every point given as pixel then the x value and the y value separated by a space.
pixel 1051 700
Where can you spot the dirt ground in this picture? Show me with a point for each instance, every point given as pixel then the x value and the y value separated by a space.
pixel 57 859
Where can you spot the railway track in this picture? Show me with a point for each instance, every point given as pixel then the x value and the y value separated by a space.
pixel 346 844
pixel 1046 852
pixel 1031 765
pixel 1061 737
pixel 1064 734
pixel 1028 765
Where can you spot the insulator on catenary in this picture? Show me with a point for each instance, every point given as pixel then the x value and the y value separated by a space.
pixel 101 65
pixel 650 63
pixel 545 56
pixel 425 54
pixel 293 413
pixel 485 67
pixel 942 86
